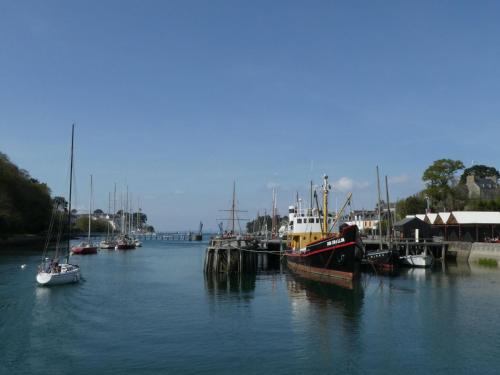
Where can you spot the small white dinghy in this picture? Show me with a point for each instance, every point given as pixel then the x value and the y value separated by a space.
pixel 419 260
pixel 53 273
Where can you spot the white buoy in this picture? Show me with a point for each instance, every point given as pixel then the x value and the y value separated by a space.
pixel 23 266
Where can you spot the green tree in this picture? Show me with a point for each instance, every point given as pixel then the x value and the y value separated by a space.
pixel 439 178
pixel 25 203
pixel 412 205
pixel 96 225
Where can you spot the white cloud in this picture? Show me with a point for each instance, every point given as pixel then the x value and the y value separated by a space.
pixel 179 192
pixel 345 184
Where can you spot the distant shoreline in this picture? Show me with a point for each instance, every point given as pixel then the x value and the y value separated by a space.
pixel 25 240
pixel 22 240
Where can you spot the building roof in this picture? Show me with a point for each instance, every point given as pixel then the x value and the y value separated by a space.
pixel 474 217
pixel 418 216
pixel 442 218
pixel 430 218
pixel 404 221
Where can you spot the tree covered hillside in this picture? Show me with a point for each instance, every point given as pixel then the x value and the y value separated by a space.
pixel 25 203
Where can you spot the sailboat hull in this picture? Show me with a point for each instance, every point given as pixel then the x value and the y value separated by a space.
pixel 108 245
pixel 69 274
pixel 383 261
pixel 420 260
pixel 84 250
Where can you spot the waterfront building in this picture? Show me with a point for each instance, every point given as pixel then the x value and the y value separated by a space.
pixel 366 221
pixel 471 226
pixel 406 228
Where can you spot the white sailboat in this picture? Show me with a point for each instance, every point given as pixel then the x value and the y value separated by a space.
pixel 51 271
pixel 108 243
pixel 417 260
pixel 86 247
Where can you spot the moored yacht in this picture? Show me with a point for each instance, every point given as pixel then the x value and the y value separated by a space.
pixel 51 271
pixel 107 244
pixel 86 247
pixel 125 243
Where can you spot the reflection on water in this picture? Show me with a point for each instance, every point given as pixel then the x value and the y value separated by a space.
pixel 457 269
pixel 232 285
pixel 329 315
pixel 347 300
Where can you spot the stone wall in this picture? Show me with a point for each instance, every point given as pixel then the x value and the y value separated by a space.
pixel 460 250
pixel 484 250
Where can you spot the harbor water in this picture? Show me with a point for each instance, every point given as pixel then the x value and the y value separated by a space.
pixel 152 311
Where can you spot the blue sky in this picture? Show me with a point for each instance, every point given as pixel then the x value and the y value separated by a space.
pixel 176 99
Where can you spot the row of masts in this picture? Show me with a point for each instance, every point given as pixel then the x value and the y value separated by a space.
pixel 126 217
pixel 262 226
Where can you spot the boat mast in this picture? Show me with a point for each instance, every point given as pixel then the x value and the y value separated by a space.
pixel 70 190
pixel 109 209
pixel 90 209
pixel 311 200
pixel 379 214
pixel 389 219
pixel 326 188
pixel 122 218
pixel 138 214
pixel 126 210
pixel 114 210
pixel 273 220
pixel 233 208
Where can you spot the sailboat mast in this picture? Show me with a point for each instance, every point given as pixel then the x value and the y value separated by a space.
pixel 90 209
pixel 379 214
pixel 122 218
pixel 109 209
pixel 389 219
pixel 114 209
pixel 233 207
pixel 126 210
pixel 70 190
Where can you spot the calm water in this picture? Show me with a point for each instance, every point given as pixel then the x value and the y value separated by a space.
pixel 151 311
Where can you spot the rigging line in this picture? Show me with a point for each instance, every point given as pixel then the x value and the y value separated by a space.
pixel 59 233
pixel 49 232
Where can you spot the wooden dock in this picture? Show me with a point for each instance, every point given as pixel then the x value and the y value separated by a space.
pixel 410 246
pixel 242 255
